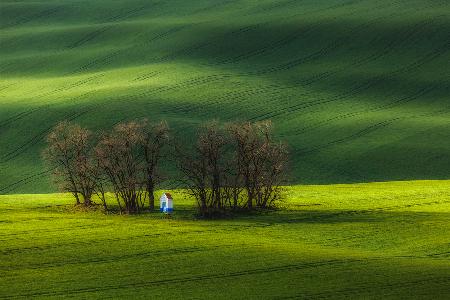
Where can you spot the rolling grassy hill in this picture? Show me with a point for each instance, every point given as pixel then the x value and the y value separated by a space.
pixel 359 241
pixel 360 89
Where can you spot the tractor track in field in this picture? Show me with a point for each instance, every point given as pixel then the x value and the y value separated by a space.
pixel 409 33
pixel 146 76
pixel 206 80
pixel 347 172
pixel 12 186
pixel 28 144
pixel 116 258
pixel 245 29
pixel 25 235
pixel 251 92
pixel 182 108
pixel 18 151
pixel 319 10
pixel 335 44
pixel 356 135
pixel 191 82
pixel 268 7
pixel 195 278
pixel 63 88
pixel 36 139
pixel 192 48
pixel 7 86
pixel 195 81
pixel 96 33
pixel 15 235
pixel 34 249
pixel 53 246
pixel 4 67
pixel 121 50
pixel 233 32
pixel 361 290
pixel 213 6
pixel 90 36
pixel 29 112
pixel 31 63
pixel 382 209
pixel 341 41
pixel 75 84
pixel 106 59
pixel 25 146
pixel 438 255
pixel 371 58
pixel 39 15
pixel 397 102
pixel 268 47
pixel 368 130
pixel 18 116
pixel 362 87
pixel 361 133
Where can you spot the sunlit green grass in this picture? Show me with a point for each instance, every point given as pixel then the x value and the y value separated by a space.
pixel 370 241
pixel 359 89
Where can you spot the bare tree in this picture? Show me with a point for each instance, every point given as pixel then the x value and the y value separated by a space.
pixel 121 157
pixel 203 167
pixel 274 174
pixel 238 167
pixel 233 186
pixel 211 143
pixel 260 162
pixel 101 183
pixel 69 152
pixel 154 138
pixel 248 142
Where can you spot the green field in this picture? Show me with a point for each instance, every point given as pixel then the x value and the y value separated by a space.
pixel 365 241
pixel 359 89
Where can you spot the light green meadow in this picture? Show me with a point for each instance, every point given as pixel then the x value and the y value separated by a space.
pixel 359 241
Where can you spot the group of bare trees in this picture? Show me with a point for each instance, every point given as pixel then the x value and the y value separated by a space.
pixel 123 161
pixel 225 167
pixel 236 166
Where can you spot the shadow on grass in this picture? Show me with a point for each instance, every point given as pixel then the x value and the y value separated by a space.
pixel 334 217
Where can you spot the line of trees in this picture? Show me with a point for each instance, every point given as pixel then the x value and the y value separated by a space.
pixel 226 167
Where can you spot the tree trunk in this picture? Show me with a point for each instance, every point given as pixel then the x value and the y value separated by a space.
pixel 235 199
pixel 203 204
pixel 87 199
pixel 151 194
pixel 249 199
pixel 216 188
pixel 77 198
pixel 104 201
pixel 118 202
pixel 134 207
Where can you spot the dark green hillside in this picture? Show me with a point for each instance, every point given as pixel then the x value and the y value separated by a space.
pixel 360 89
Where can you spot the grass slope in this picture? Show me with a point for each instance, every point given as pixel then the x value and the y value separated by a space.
pixel 365 241
pixel 360 89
